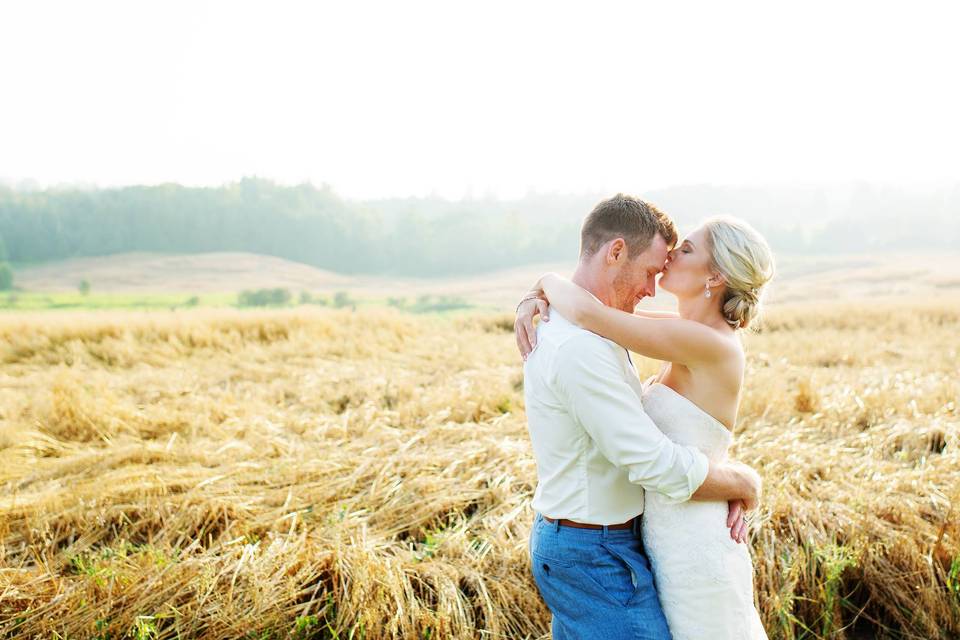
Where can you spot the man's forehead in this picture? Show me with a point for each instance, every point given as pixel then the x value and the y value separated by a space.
pixel 658 252
pixel 652 262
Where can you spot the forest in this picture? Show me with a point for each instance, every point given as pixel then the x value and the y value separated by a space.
pixel 434 236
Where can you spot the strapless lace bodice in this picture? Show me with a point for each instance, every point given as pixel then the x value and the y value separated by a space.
pixel 704 579
pixel 686 423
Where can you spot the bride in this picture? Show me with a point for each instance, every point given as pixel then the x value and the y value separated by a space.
pixel 704 579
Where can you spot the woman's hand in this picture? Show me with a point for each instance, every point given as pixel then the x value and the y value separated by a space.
pixel 523 327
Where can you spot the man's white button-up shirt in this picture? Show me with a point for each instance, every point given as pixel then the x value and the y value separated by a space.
pixel 596 449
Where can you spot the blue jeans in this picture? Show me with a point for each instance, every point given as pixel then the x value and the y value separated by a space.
pixel 597 583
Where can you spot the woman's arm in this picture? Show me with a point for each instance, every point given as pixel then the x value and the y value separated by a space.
pixel 643 313
pixel 674 339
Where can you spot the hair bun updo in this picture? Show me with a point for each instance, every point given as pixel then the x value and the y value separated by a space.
pixel 744 258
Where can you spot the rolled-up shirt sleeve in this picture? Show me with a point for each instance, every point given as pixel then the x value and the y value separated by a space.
pixel 591 383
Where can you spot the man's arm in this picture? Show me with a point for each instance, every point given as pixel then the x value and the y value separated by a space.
pixel 730 481
pixel 592 382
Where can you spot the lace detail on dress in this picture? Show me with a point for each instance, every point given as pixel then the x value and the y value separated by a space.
pixel 704 579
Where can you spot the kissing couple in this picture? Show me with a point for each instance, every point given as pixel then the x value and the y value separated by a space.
pixel 639 529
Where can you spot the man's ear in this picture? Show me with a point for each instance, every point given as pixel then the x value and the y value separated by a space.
pixel 616 251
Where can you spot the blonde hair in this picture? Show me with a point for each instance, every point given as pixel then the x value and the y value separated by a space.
pixel 741 254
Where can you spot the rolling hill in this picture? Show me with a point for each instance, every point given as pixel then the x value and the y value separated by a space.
pixel 799 277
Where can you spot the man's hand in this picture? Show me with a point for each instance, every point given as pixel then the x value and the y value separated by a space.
pixel 736 521
pixel 738 507
pixel 523 325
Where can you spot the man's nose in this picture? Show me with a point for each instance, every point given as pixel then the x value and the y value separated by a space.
pixel 651 289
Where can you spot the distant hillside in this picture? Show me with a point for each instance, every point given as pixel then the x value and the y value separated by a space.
pixel 800 278
pixel 886 275
pixel 201 272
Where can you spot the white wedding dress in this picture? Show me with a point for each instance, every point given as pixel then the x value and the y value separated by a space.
pixel 704 579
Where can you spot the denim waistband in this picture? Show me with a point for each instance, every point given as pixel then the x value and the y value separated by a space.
pixel 604 533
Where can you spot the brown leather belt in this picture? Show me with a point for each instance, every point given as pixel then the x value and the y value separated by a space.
pixel 582 525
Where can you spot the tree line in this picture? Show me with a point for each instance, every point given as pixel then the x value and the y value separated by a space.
pixel 301 223
pixel 6 272
pixel 433 236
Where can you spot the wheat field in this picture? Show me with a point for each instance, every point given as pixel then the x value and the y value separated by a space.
pixel 334 474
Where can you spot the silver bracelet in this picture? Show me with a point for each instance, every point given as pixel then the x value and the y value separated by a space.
pixel 532 296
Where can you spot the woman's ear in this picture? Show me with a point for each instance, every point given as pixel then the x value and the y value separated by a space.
pixel 716 279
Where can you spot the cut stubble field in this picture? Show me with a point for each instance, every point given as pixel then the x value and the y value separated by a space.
pixel 217 473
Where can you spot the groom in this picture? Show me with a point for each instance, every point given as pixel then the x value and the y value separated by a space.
pixel 596 449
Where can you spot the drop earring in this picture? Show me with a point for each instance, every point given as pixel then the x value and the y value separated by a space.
pixel 707 287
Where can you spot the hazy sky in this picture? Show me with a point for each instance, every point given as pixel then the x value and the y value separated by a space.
pixel 402 98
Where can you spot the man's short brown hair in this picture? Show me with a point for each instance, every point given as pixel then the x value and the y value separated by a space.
pixel 626 217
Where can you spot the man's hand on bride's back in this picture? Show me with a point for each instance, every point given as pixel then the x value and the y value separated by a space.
pixel 749 501
pixel 749 490
pixel 523 328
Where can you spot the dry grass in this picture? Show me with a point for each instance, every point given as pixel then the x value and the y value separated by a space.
pixel 335 474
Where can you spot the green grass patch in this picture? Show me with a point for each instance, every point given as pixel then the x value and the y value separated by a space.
pixel 74 300
pixel 40 301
